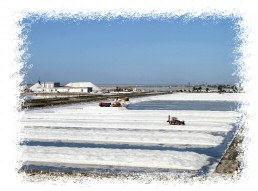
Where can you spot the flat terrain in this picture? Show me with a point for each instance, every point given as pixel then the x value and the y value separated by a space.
pixel 84 137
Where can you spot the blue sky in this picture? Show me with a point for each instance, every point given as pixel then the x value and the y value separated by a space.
pixel 125 51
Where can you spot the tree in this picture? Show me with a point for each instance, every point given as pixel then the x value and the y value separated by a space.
pixel 118 89
pixel 234 88
pixel 194 88
pixel 207 89
pixel 220 88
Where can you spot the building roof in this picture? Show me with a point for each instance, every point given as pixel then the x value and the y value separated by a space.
pixel 51 82
pixel 35 86
pixel 68 87
pixel 83 85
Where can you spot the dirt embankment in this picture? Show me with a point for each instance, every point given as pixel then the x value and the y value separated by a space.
pixel 60 99
pixel 231 161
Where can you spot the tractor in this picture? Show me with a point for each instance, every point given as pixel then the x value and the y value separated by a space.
pixel 174 121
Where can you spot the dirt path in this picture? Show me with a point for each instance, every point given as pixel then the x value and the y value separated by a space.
pixel 230 162
pixel 81 98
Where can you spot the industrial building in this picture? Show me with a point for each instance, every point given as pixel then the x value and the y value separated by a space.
pixel 55 87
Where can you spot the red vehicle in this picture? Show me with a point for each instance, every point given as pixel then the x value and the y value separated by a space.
pixel 104 104
pixel 175 121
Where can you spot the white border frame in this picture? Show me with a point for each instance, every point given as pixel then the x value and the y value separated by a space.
pixel 13 11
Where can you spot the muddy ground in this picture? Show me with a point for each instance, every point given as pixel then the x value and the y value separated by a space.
pixel 230 163
pixel 63 99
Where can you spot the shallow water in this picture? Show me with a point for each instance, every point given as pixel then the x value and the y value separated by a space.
pixel 185 105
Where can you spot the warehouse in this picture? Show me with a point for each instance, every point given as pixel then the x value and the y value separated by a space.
pixel 83 84
pixel 55 87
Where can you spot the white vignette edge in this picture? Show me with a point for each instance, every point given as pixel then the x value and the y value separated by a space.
pixel 13 58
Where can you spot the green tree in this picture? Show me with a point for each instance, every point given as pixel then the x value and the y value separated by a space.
pixel 220 88
pixel 194 88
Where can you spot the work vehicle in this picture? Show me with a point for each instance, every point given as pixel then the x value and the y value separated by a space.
pixel 175 121
pixel 104 104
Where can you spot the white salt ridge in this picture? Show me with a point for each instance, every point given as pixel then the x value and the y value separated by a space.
pixel 96 117
pixel 138 121
pixel 114 157
pixel 124 115
pixel 119 137
pixel 128 122
pixel 88 122
pixel 207 127
pixel 194 97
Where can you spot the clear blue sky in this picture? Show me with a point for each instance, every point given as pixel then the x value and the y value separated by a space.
pixel 124 51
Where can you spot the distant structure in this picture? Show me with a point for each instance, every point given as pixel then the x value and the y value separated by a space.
pixel 55 87
pixel 83 84
pixel 36 87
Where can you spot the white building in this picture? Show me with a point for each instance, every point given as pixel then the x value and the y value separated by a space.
pixel 50 84
pixel 83 84
pixel 54 87
pixel 36 87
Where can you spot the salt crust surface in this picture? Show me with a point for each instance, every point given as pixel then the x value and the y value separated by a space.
pixel 89 123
